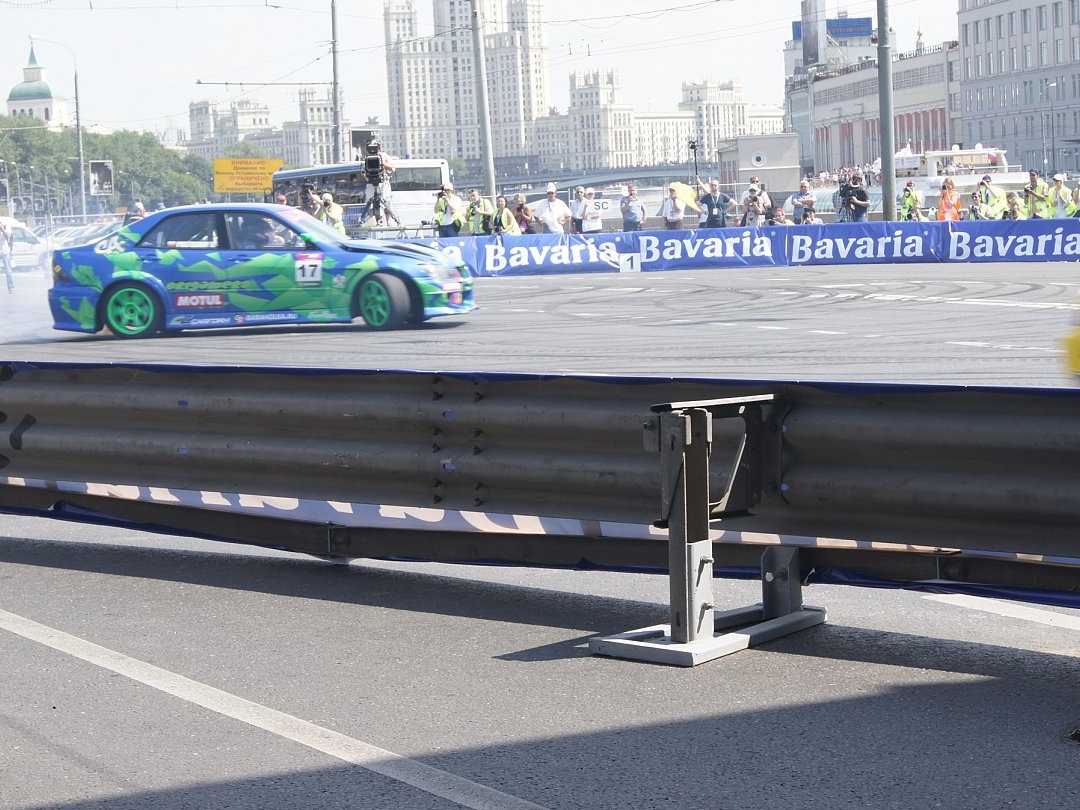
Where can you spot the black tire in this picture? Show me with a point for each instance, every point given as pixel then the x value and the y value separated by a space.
pixel 383 302
pixel 132 310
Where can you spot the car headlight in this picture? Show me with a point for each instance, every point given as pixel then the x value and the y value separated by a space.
pixel 441 272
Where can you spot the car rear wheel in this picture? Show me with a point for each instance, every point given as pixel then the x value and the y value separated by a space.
pixel 383 301
pixel 132 310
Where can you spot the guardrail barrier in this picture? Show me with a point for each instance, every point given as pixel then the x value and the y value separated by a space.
pixel 948 487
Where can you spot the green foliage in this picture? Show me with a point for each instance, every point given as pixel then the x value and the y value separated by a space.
pixel 143 169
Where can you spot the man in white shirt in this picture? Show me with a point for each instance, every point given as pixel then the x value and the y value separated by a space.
pixel 671 210
pixel 593 221
pixel 578 206
pixel 552 212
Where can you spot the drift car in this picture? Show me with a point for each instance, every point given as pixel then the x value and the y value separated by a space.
pixel 221 265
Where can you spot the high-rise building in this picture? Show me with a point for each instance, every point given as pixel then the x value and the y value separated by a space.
pixel 434 110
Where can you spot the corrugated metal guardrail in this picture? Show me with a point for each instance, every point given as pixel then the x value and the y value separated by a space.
pixel 979 474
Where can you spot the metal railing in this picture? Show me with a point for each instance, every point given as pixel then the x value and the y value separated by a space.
pixel 968 484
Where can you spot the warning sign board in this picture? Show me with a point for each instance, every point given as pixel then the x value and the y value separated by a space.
pixel 245 175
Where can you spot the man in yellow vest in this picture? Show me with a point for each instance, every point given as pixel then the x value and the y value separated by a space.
pixel 478 214
pixel 991 198
pixel 1060 202
pixel 1036 197
pixel 449 212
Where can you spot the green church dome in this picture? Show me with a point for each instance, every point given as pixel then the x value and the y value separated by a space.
pixel 30 91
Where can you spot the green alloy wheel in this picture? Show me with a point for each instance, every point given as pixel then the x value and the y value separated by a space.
pixel 131 311
pixel 384 301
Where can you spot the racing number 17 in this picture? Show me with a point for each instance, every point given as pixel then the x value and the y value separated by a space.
pixel 309 268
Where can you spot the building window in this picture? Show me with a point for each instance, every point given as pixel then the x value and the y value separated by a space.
pixel 1000 21
pixel 1057 15
pixel 1040 14
pixel 1025 21
pixel 1012 22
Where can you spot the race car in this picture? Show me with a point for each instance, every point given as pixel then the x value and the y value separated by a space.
pixel 223 265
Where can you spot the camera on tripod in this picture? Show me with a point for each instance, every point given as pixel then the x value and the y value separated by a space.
pixel 373 163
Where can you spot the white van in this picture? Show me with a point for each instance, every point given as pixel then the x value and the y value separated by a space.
pixel 28 251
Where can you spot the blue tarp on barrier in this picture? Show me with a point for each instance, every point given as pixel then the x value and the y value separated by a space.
pixel 794 246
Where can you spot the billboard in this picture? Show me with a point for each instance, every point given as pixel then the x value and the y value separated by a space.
pixel 814 36
pixel 245 175
pixel 101 178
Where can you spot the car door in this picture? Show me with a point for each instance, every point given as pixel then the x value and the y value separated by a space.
pixel 183 254
pixel 295 281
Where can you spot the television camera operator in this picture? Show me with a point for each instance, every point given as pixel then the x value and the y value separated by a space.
pixel 378 167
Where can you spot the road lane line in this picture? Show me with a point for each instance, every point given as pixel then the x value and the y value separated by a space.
pixel 378 760
pixel 1012 611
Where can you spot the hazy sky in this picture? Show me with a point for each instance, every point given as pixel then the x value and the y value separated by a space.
pixel 140 61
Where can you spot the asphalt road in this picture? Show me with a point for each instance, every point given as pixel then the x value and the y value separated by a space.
pixel 150 672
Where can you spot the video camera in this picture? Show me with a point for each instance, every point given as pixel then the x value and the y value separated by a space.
pixel 373 168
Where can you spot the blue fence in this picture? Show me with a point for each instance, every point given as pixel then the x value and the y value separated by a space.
pixel 794 245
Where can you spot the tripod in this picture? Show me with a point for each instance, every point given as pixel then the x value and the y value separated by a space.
pixel 379 209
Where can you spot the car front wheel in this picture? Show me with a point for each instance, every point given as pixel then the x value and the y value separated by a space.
pixel 383 302
pixel 131 311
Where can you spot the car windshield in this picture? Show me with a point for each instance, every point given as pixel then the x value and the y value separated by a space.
pixel 307 224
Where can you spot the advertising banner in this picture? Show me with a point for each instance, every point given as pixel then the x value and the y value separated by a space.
pixel 770 246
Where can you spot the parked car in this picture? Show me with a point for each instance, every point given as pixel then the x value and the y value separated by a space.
pixel 28 251
pixel 221 265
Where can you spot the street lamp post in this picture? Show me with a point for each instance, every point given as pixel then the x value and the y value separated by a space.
pixel 1052 89
pixel 78 124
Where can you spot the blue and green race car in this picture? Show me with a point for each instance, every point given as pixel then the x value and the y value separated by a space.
pixel 221 265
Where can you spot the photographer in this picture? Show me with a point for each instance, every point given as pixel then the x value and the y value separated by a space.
pixel 378 167
pixel 753 208
pixel 858 199
pixel 478 214
pixel 802 202
pixel 331 213
pixel 910 203
pixel 309 201
pixel 1036 197
pixel 950 204
pixel 842 202
pixel 449 212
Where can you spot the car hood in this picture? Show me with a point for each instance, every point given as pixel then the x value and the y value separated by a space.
pixel 411 250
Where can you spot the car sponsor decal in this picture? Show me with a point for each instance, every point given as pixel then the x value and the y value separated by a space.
pixel 186 300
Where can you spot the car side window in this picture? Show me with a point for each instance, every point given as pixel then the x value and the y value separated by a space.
pixel 250 230
pixel 191 231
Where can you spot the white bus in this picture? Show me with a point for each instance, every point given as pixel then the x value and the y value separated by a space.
pixel 414 184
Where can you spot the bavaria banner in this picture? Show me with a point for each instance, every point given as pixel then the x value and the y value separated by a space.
pixel 1035 240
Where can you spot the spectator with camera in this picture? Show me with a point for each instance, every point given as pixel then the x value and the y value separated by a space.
pixel 753 208
pixel 309 200
pixel 449 212
pixel 331 213
pixel 1036 196
pixel 950 205
pixel 1014 207
pixel 910 203
pixel 991 198
pixel 523 214
pixel 858 199
pixel 503 221
pixel 633 210
pixel 803 202
pixel 478 214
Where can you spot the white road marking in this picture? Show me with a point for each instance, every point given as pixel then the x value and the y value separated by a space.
pixel 975 344
pixel 1010 610
pixel 825 332
pixel 377 760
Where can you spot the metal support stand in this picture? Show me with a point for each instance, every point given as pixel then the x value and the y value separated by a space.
pixel 696 633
